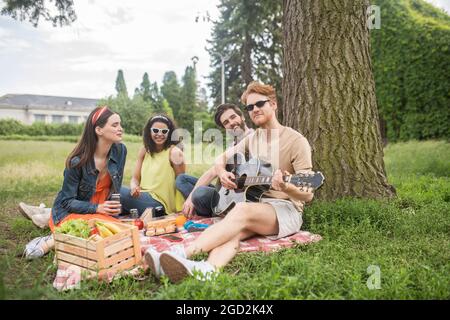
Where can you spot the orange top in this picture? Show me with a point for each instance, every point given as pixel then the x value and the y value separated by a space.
pixel 100 196
pixel 102 189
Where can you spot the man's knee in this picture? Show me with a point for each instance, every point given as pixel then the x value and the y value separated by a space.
pixel 125 193
pixel 180 179
pixel 201 195
pixel 241 213
pixel 204 199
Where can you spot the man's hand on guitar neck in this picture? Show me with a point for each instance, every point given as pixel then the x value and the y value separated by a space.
pixel 278 184
pixel 226 179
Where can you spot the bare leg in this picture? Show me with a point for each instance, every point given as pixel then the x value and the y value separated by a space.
pixel 223 254
pixel 259 218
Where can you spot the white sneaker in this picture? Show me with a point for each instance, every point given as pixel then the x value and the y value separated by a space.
pixel 152 256
pixel 177 268
pixel 30 211
pixel 41 219
pixel 38 247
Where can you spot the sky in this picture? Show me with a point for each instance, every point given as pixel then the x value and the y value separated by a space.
pixel 82 60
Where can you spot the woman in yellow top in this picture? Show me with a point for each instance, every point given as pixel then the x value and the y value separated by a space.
pixel 158 165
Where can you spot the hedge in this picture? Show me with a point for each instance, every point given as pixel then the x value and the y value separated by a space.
pixel 411 59
pixel 14 127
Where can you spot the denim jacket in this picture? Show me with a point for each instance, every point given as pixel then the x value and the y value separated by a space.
pixel 79 184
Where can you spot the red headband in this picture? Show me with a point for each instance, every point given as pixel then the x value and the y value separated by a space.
pixel 97 115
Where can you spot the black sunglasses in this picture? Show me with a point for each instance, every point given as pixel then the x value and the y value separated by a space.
pixel 259 104
pixel 157 130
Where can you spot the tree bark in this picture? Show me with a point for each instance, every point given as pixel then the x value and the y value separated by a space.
pixel 329 94
pixel 246 66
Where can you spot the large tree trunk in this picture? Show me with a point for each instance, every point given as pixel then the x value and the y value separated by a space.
pixel 246 66
pixel 329 94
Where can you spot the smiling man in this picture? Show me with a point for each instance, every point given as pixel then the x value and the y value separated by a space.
pixel 231 118
pixel 278 214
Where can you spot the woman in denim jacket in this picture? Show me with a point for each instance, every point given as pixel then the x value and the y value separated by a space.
pixel 94 170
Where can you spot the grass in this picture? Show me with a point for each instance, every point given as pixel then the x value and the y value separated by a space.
pixel 407 238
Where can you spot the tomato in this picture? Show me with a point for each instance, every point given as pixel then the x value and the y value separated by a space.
pixel 139 223
pixel 93 231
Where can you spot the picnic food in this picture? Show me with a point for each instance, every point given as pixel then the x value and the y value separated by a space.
pixel 161 225
pixel 75 227
pixel 139 223
pixel 80 228
pixel 94 231
pixel 112 227
pixel 107 229
pixel 104 231
pixel 170 228
pixel 180 220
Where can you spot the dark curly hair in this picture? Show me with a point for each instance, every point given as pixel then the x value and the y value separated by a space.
pixel 149 144
pixel 222 108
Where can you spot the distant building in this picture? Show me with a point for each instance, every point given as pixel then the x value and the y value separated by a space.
pixel 29 108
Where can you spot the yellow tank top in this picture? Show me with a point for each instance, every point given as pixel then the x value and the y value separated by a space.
pixel 158 179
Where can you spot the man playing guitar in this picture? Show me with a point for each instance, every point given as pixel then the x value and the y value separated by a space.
pixel 278 214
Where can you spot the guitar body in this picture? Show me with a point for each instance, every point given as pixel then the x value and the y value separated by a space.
pixel 229 198
pixel 253 179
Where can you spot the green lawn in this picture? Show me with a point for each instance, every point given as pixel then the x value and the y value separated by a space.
pixel 406 238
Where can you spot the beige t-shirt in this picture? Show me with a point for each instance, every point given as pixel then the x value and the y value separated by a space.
pixel 284 149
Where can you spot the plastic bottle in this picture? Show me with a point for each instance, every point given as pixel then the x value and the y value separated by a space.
pixel 134 213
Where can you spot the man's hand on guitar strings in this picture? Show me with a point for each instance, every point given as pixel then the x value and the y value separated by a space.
pixel 226 179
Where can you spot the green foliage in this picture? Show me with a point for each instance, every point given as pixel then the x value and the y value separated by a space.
pixel 166 109
pixel 156 99
pixel 10 126
pixel 18 137
pixel 133 112
pixel 36 9
pixel 150 93
pixel 144 90
pixel 410 55
pixel 249 34
pixel 14 127
pixel 171 91
pixel 411 58
pixel 189 105
pixel 121 86
pixel 183 103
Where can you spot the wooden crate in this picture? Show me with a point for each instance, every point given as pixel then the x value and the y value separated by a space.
pixel 118 252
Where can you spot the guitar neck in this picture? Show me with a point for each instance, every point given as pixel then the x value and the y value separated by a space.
pixel 262 180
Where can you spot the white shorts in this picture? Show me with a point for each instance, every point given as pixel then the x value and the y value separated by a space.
pixel 289 218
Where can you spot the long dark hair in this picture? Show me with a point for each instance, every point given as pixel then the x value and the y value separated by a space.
pixel 149 144
pixel 85 147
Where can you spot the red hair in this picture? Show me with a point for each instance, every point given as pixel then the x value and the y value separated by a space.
pixel 259 88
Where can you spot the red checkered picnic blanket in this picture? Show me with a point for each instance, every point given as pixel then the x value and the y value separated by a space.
pixel 69 278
